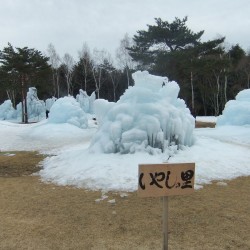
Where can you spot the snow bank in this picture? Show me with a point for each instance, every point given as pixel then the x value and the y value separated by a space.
pixel 7 112
pixel 236 112
pixel 67 110
pixel 148 117
pixel 219 153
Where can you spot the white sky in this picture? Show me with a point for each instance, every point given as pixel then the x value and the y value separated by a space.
pixel 103 23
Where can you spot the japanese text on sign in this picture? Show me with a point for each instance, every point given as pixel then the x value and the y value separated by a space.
pixel 166 179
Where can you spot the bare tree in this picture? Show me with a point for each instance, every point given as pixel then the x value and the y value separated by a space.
pixel 85 58
pixel 217 73
pixel 68 63
pixel 192 87
pixel 54 60
pixel 125 61
pixel 97 69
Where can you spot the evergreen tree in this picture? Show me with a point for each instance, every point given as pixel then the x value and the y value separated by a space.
pixel 160 39
pixel 236 54
pixel 23 66
pixel 173 50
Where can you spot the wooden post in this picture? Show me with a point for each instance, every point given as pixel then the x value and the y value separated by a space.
pixel 165 222
pixel 22 90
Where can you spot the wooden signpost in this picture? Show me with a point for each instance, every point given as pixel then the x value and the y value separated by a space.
pixel 156 180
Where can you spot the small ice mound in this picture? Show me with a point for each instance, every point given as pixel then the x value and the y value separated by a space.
pixel 67 110
pixel 7 112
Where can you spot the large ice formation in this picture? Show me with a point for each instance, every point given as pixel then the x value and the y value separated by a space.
pixel 148 117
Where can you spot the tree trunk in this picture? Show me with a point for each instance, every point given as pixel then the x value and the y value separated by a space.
pixel 114 87
pixel 96 84
pixel 225 89
pixel 85 78
pixel 192 91
pixel 127 76
pixel 22 103
pixel 67 80
pixel 12 96
pixel 22 110
pixel 25 109
pixel 217 95
pixel 58 84
pixel 217 106
pixel 54 82
pixel 24 99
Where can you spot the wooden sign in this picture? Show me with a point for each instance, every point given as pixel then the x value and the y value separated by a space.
pixel 166 179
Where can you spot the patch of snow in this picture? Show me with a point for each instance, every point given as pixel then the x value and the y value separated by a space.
pixel 221 183
pixel 211 119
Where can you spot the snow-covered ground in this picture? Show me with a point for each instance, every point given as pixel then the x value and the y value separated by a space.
pixel 219 153
pixel 148 124
pixel 206 119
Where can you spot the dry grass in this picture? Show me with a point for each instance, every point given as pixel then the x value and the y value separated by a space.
pixel 14 164
pixel 199 124
pixel 39 216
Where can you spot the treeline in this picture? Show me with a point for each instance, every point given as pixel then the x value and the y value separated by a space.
pixel 208 74
pixel 94 71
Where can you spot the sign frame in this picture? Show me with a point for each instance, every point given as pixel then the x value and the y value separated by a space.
pixel 163 180
pixel 166 179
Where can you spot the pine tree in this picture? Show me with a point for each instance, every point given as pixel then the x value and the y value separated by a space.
pixel 162 38
pixel 173 50
pixel 23 66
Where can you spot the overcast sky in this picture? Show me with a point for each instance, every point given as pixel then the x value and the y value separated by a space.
pixel 67 24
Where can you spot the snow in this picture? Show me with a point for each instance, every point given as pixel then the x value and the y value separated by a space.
pixel 212 119
pixel 220 153
pixel 74 149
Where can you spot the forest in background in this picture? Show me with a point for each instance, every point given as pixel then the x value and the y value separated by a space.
pixel 208 73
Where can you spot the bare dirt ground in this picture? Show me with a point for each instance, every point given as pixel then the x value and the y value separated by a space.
pixel 199 124
pixel 40 216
